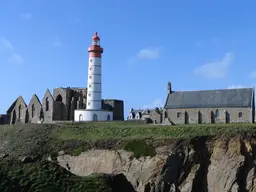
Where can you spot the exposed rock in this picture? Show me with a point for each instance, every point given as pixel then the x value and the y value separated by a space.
pixel 61 153
pixel 199 165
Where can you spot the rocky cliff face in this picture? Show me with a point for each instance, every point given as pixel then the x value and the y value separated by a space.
pixel 210 165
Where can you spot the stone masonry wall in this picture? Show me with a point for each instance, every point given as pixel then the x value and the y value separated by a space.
pixel 207 115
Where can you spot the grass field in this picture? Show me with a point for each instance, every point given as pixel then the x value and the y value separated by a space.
pixel 39 139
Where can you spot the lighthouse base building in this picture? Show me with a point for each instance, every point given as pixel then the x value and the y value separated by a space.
pixel 93 115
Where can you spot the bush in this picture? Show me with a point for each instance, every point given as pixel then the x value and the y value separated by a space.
pixel 140 148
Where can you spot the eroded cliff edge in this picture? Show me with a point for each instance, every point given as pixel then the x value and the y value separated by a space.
pixel 199 164
pixel 219 158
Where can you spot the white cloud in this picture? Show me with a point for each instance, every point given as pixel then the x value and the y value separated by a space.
pixel 148 54
pixel 6 44
pixel 57 42
pixel 215 69
pixel 238 86
pixel 15 59
pixel 156 103
pixel 8 52
pixel 252 75
pixel 145 54
pixel 26 16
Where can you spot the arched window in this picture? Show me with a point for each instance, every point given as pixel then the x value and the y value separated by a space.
pixel 33 110
pixel 19 112
pixel 95 117
pixel 217 113
pixel 80 117
pixel 59 98
pixel 108 117
pixel 46 104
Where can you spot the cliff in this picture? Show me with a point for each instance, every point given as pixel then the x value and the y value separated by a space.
pixel 143 158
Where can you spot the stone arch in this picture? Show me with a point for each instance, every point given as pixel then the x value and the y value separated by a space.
pixel 46 104
pixel 19 112
pixel 14 117
pixel 165 114
pixel 186 117
pixel 33 111
pixel 227 117
pixel 95 117
pixel 217 113
pixel 212 117
pixel 59 98
pixel 199 117
pixel 59 108
pixel 108 117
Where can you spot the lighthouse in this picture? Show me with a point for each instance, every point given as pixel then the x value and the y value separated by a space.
pixel 94 111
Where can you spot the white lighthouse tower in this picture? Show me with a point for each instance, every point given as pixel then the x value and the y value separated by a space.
pixel 94 111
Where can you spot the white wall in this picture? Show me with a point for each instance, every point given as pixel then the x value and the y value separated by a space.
pixel 87 115
pixel 94 94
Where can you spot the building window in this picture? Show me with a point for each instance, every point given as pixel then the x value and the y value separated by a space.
pixel 89 103
pixel 90 60
pixel 46 104
pixel 179 115
pixel 108 117
pixel 33 111
pixel 89 94
pixel 240 114
pixel 217 113
pixel 95 118
pixel 90 68
pixel 80 117
pixel 90 77
pixel 89 85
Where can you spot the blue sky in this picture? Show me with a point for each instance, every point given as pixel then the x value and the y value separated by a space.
pixel 195 44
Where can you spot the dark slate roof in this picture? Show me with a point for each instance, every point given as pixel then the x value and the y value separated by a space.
pixel 210 98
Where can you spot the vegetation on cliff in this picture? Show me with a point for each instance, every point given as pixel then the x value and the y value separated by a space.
pixel 42 140
pixel 74 138
pixel 45 176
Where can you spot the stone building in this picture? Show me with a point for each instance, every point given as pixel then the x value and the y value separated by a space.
pixel 3 119
pixel 150 115
pixel 209 106
pixel 58 106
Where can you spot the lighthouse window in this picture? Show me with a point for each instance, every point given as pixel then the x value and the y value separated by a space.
pixel 90 85
pixel 90 68
pixel 89 94
pixel 90 60
pixel 90 77
pixel 89 103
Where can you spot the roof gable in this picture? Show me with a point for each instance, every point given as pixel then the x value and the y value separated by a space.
pixel 12 106
pixel 20 100
pixel 47 94
pixel 34 99
pixel 210 98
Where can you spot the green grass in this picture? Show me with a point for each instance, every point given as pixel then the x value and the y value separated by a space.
pixel 129 131
pixel 47 177
pixel 74 138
